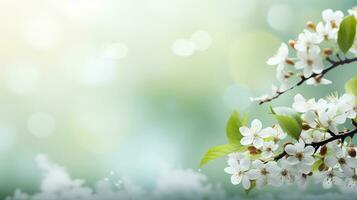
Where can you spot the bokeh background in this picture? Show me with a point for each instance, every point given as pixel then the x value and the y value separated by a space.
pixel 132 86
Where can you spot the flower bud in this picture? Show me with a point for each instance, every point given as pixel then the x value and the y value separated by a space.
pixel 292 44
pixel 305 126
pixel 328 51
pixel 318 79
pixel 253 151
pixel 352 152
pixel 289 61
pixel 322 167
pixel 311 25
pixel 323 150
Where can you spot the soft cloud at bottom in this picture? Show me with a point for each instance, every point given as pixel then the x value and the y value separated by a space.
pixel 184 184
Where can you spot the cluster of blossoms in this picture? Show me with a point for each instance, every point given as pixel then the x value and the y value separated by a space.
pixel 272 158
pixel 311 54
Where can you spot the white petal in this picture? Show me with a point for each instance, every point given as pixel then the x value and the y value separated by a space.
pixel 308 160
pixel 347 170
pixel 258 142
pixel 244 164
pixel 290 149
pixel 325 81
pixel 260 182
pixel 229 170
pixel 309 150
pixel 236 179
pixel 327 183
pixel 245 182
pixel 292 160
pixel 253 174
pixel 267 132
pixel 256 124
pixel 331 161
pixel 258 164
pixel 267 154
pixel 304 168
pixel 275 60
pixel 274 180
pixel 352 162
pixel 307 71
pixel 247 140
pixel 244 131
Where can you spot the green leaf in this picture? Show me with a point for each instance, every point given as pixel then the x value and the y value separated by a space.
pixel 316 165
pixel 289 121
pixel 232 128
pixel 252 186
pixel 346 33
pixel 219 151
pixel 351 86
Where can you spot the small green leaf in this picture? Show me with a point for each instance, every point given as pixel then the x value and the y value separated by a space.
pixel 346 33
pixel 232 128
pixel 316 165
pixel 252 186
pixel 219 151
pixel 289 121
pixel 351 86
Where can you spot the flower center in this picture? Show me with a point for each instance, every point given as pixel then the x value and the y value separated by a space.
pixel 333 24
pixel 341 161
pixel 284 172
pixel 299 156
pixel 264 172
pixel 310 62
pixel 330 176
pixel 354 178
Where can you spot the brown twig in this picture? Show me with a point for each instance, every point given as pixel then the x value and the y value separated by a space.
pixel 334 64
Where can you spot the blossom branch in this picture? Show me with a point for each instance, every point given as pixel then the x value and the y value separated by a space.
pixel 317 145
pixel 334 64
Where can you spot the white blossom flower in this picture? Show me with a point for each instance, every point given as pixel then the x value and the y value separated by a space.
pixel 265 173
pixel 301 156
pixel 334 18
pixel 326 31
pixel 341 159
pixel 280 57
pixel 239 172
pixel 329 178
pixel 331 118
pixel 278 133
pixel 346 104
pixel 351 180
pixel 301 180
pixel 312 135
pixel 308 40
pixel 310 118
pixel 254 135
pixel 268 149
pixel 286 174
pixel 301 105
pixel 310 61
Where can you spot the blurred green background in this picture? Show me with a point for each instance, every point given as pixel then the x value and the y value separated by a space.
pixel 135 85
